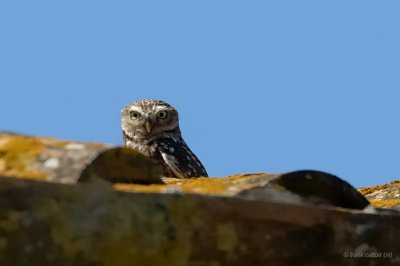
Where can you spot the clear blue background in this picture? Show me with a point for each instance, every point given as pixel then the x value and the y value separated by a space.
pixel 261 86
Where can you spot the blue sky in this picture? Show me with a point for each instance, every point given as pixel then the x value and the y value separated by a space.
pixel 261 86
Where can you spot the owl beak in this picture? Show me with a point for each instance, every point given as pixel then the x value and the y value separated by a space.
pixel 148 126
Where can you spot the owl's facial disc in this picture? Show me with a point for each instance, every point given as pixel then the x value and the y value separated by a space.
pixel 154 119
pixel 145 123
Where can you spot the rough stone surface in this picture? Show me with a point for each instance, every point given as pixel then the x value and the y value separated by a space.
pixel 121 164
pixel 45 159
pixel 312 187
pixel 54 224
pixel 297 218
pixel 48 159
pixel 386 195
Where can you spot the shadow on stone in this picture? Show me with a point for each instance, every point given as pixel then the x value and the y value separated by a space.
pixel 308 186
pixel 121 165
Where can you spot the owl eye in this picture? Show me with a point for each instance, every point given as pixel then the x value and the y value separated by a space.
pixel 134 115
pixel 162 114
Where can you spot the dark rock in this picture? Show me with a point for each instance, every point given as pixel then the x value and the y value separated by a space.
pixel 308 186
pixel 122 165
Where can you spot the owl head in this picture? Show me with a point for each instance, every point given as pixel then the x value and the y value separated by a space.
pixel 146 119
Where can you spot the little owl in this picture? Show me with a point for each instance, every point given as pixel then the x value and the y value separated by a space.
pixel 152 128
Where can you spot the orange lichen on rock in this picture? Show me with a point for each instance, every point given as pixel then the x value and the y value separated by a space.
pixel 386 195
pixel 385 203
pixel 18 157
pixel 212 186
pixel 368 190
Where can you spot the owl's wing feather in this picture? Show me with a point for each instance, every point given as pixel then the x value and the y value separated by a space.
pixel 180 159
pixel 172 164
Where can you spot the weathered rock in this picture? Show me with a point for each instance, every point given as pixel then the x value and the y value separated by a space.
pixel 54 224
pixel 297 218
pixel 46 159
pixel 121 165
pixel 387 195
pixel 308 186
pixel 66 162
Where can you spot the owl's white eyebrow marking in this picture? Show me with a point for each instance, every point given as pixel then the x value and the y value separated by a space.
pixel 159 108
pixel 136 108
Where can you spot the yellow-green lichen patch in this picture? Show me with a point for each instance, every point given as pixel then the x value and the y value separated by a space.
pixel 389 203
pixel 216 185
pixel 18 155
pixel 204 185
pixel 369 190
pixel 139 188
pixel 211 186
